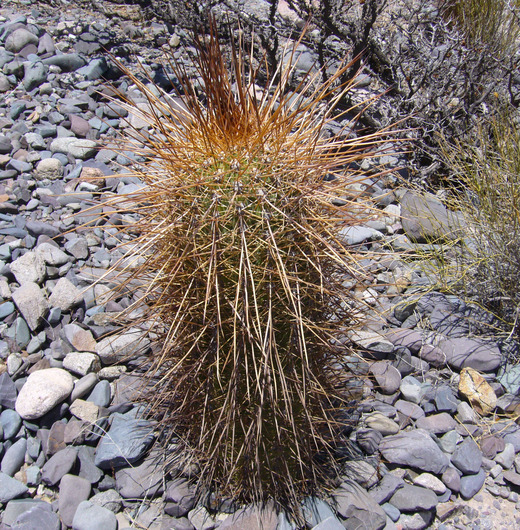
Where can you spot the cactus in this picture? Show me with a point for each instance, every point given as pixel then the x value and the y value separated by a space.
pixel 239 271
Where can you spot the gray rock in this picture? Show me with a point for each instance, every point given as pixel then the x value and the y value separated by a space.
pixel 109 499
pixel 354 235
pixel 467 457
pixel 470 485
pixel 409 409
pixel 83 386
pixel 39 228
pixel 368 440
pixel 101 395
pixel 506 458
pixel 17 507
pixel 73 491
pixel 179 498
pixel 14 457
pixel 18 39
pixel 121 347
pixel 331 523
pixel 415 449
pixel 410 498
pixel 416 521
pixel 10 488
pixel 437 423
pixel 65 295
pixel 445 399
pixel 29 268
pixel 87 468
pixel 33 475
pixel 59 465
pixel 78 148
pixel 77 247
pixel 387 377
pixel 89 515
pixel 140 482
pixel 386 488
pixel 34 75
pixel 68 62
pixel 251 517
pixel 39 517
pixel 452 479
pixel 8 391
pixel 465 352
pixel 31 303
pixel 412 389
pixel 43 390
pixel 448 442
pixel 78 338
pixel 5 85
pixel 10 422
pixel 52 255
pixel 125 443
pixel 361 511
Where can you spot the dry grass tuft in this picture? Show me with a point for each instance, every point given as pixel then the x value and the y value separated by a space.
pixel 238 269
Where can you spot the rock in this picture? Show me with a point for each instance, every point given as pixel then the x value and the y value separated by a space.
pixel 381 423
pixel 371 341
pixel 109 499
pixel 49 169
pixel 361 472
pixel 77 247
pixel 512 477
pixel 368 440
pixel 477 391
pixel 424 218
pixel 417 521
pixel 59 465
pixel 78 338
pixel 43 390
pixel 445 400
pixel 387 377
pixel 52 255
pixel 89 515
pixel 412 389
pixel 31 303
pixel 471 353
pixel 88 469
pixel 437 423
pixel 430 482
pixel 354 235
pixel 29 268
pixel 331 523
pixel 67 62
pixel 101 395
pixel 14 457
pixel 8 391
pixel 510 379
pixel 179 498
pixel 73 491
pixel 81 363
pixel 121 347
pixel 354 504
pixel 491 445
pixel 415 449
pixel 452 479
pixel 10 421
pixel 465 414
pixel 65 295
pixel 125 443
pixel 467 457
pixel 39 517
pixel 78 148
pixel 83 386
pixel 449 441
pixel 10 488
pixel 201 519
pixel 18 39
pixel 251 517
pixel 413 498
pixel 17 507
pixel 139 482
pixel 409 410
pixel 470 485
pixel 506 458
pixel 85 410
pixel 38 228
pixel 386 488
pixel 34 75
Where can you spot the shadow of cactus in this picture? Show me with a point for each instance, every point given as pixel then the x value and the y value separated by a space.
pixel 238 268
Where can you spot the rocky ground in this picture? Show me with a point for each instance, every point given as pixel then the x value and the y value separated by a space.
pixel 437 432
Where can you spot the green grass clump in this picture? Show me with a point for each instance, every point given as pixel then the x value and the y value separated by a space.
pixel 241 272
pixel 488 170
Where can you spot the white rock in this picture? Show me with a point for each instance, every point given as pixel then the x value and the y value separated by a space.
pixel 28 268
pixel 85 410
pixel 65 295
pixel 76 147
pixel 431 482
pixel 43 390
pixel 52 255
pixel 31 303
pixel 49 169
pixel 81 362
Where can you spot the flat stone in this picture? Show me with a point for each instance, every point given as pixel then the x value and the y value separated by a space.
pixel 409 409
pixel 430 482
pixel 452 479
pixel 109 499
pixel 251 517
pixel 17 507
pixel 31 303
pixel 88 469
pixel 139 482
pixel 125 443
pixel 8 391
pixel 10 488
pixel 73 490
pixel 83 386
pixel 122 347
pixel 81 363
pixel 477 390
pixel 387 377
pixel 410 498
pixel 59 465
pixel 386 488
pixel 371 341
pixel 179 497
pixel 78 338
pixel 29 268
pixel 14 457
pixel 505 458
pixel 417 521
pixel 89 515
pixel 470 485
pixel 39 517
pixel 78 148
pixel 381 423
pixel 437 423
pixel 10 421
pixel 43 390
pixel 67 62
pixel 52 255
pixel 415 449
pixel 412 389
pixel 471 353
pixel 512 477
pixel 331 523
pixel 355 505
pixel 65 295
pixel 85 410
pixel 18 39
pixel 101 394
pixel 467 457
pixel 34 75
